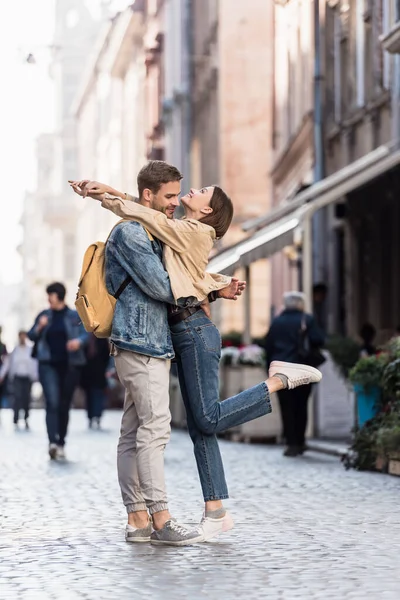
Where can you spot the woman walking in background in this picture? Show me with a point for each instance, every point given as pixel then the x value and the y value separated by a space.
pixel 21 369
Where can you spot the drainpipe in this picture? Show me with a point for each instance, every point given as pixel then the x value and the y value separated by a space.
pixel 188 86
pixel 318 222
pixel 396 89
pixel 315 230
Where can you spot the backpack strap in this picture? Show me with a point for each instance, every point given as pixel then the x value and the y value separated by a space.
pixel 122 287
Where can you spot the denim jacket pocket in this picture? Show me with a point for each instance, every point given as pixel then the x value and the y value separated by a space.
pixel 210 337
pixel 141 319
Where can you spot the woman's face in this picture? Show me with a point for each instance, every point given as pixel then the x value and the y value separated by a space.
pixel 197 202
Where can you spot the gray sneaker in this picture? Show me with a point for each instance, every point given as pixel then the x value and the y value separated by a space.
pixel 136 535
pixel 174 534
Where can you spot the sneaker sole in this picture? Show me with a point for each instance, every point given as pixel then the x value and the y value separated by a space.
pixel 182 543
pixel 317 375
pixel 137 540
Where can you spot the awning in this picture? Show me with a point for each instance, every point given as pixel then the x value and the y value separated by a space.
pixel 279 225
pixel 262 244
pixel 334 187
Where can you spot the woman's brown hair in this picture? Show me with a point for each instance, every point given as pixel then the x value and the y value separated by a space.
pixel 222 214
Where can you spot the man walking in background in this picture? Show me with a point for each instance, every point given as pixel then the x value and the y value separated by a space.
pixel 21 369
pixel 59 339
pixel 289 337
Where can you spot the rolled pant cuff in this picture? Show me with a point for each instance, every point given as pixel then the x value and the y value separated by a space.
pixel 268 396
pixel 216 497
pixel 158 507
pixel 131 508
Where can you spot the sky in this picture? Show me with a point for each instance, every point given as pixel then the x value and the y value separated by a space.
pixel 26 109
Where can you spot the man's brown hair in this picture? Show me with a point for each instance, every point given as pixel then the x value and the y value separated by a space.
pixel 222 214
pixel 153 175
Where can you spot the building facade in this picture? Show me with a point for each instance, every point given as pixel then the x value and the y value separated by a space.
pixel 110 118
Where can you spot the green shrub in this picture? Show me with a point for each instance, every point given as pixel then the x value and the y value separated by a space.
pixel 344 351
pixel 368 371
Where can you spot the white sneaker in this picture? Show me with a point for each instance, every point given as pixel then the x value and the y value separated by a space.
pixel 297 374
pixel 213 527
pixel 61 452
pixel 53 451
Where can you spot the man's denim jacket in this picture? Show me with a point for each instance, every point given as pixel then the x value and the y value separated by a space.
pixel 74 329
pixel 140 321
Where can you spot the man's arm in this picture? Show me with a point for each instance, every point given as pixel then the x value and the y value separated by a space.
pixel 40 322
pixel 135 254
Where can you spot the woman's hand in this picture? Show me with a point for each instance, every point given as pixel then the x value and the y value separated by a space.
pixel 95 189
pixel 233 290
pixel 205 305
pixel 80 188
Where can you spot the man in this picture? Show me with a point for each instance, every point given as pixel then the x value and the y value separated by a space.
pixel 142 347
pixel 59 339
pixel 283 343
pixel 21 369
pixel 320 293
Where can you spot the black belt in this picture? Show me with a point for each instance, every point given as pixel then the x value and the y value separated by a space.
pixel 173 319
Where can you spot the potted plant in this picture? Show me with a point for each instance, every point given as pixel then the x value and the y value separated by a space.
pixel 388 445
pixel 366 377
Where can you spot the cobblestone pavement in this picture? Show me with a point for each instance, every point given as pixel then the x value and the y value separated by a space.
pixel 305 528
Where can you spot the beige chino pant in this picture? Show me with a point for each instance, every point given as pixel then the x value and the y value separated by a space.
pixel 145 430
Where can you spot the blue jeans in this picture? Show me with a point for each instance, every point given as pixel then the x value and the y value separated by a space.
pixel 197 344
pixel 95 398
pixel 58 382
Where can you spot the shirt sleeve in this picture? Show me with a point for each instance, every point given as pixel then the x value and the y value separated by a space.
pixel 34 334
pixel 176 233
pixel 133 250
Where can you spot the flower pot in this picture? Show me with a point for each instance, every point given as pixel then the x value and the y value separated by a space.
pixel 394 463
pixel 367 402
pixel 381 463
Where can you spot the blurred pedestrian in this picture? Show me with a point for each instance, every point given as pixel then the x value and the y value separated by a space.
pixel 59 339
pixel 320 292
pixel 22 371
pixel 294 337
pixel 367 333
pixel 93 380
pixel 3 357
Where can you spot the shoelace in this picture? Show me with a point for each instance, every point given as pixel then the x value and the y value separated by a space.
pixel 300 380
pixel 181 529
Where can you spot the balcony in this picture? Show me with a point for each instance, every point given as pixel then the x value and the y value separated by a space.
pixel 391 41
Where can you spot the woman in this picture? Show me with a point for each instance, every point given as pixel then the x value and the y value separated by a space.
pixel 197 342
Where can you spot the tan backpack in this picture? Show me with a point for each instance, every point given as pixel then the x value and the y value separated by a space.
pixel 95 306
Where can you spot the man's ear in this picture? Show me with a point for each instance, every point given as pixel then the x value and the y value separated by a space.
pixel 147 196
pixel 206 210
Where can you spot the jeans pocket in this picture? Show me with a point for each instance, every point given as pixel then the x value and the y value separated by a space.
pixel 210 337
